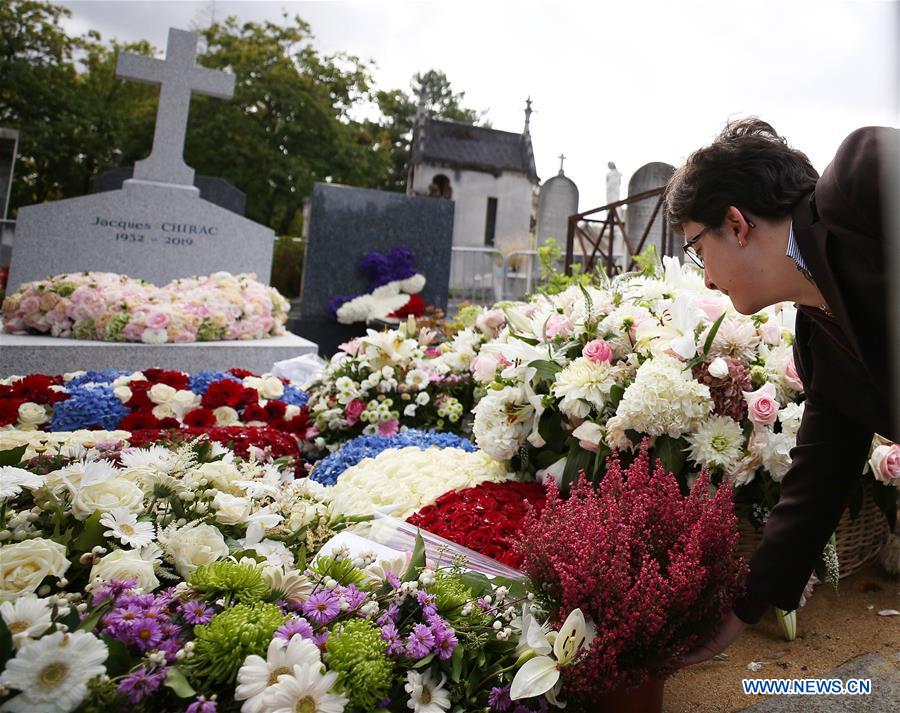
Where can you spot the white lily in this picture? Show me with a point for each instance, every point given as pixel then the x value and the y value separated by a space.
pixel 540 675
pixel 675 330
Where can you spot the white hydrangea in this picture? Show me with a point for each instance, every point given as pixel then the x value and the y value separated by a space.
pixel 664 399
pixel 718 441
pixel 502 421
pixel 583 384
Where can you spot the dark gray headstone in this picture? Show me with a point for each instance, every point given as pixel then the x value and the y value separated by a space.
pixel 212 188
pixel 647 177
pixel 9 139
pixel 346 223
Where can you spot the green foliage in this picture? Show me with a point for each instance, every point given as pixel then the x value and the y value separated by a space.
pixel 359 655
pixel 553 281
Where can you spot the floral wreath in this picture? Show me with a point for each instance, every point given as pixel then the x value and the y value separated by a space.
pixel 394 287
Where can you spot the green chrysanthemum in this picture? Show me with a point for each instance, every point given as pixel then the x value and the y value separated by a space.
pixel 113 331
pixel 229 579
pixel 359 655
pixel 224 643
pixel 342 570
pixel 451 595
pixel 208 332
pixel 84 329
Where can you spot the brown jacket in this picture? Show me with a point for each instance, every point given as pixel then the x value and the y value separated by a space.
pixel 844 362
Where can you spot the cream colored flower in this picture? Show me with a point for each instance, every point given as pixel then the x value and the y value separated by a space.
pixel 582 385
pixel 123 565
pixel 24 565
pixel 32 415
pixel 114 494
pixel 161 393
pixel 193 545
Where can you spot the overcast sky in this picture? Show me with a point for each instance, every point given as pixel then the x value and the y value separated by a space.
pixel 624 81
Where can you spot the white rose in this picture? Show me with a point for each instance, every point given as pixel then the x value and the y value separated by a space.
pixel 271 388
pixel 291 411
pixel 107 496
pixel 225 416
pixel 718 368
pixel 123 565
pixel 161 393
pixel 123 393
pixel 32 414
pixel 230 510
pixel 220 474
pixel 182 402
pixel 192 546
pixel 24 565
pixel 422 398
pixel 163 411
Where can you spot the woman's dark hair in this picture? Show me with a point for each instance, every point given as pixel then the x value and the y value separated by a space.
pixel 748 166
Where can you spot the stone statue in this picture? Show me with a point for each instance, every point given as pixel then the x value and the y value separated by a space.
pixel 613 183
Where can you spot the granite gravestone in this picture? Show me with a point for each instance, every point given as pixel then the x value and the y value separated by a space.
pixel 157 227
pixel 344 224
pixel 647 177
pixel 558 200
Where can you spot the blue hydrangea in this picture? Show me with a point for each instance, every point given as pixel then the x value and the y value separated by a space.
pixel 327 470
pixel 88 407
pixel 294 396
pixel 200 382
pixel 106 376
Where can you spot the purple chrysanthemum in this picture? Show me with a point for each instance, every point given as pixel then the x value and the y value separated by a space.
pixel 146 633
pixel 445 643
pixel 420 642
pixel 499 700
pixel 202 705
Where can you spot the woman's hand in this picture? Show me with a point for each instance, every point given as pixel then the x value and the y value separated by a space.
pixel 728 632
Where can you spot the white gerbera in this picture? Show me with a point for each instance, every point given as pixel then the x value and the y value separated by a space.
pixel 26 618
pixel 53 672
pixel 13 479
pixel 82 474
pixel 124 526
pixel 258 674
pixel 583 384
pixel 664 399
pixel 424 695
pixel 305 688
pixel 718 441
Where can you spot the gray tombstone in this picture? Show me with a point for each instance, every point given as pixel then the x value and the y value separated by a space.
pixel 558 200
pixel 647 177
pixel 156 227
pixel 344 224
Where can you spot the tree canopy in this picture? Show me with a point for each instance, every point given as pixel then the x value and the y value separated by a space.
pixel 293 120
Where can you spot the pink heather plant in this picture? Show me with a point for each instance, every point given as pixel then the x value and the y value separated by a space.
pixel 654 569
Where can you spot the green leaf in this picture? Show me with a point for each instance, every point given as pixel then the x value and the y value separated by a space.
pixel 91 534
pixel 177 681
pixel 6 644
pixel 546 369
pixel 92 619
pixel 118 662
pixel 13 456
pixel 417 563
pixel 615 395
pixel 423 662
pixel 671 452
pixel 456 664
pixel 710 338
pixel 577 460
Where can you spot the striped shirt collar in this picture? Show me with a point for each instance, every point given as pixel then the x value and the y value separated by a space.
pixel 793 252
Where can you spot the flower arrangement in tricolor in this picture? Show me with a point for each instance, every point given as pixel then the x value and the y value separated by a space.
pixel 394 287
pixel 110 307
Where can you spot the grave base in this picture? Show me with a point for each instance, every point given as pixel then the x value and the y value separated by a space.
pixel 20 355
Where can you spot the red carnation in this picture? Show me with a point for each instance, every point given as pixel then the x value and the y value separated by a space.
pixel 299 424
pixel 241 373
pixel 175 379
pixel 9 411
pixel 276 410
pixel 200 418
pixel 223 393
pixel 249 396
pixel 254 412
pixel 139 400
pixel 139 420
pixel 36 388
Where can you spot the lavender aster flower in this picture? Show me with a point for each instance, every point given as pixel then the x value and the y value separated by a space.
pixel 322 607
pixel 139 684
pixel 196 612
pixel 499 700
pixel 390 634
pixel 202 705
pixel 294 626
pixel 146 634
pixel 445 643
pixel 420 642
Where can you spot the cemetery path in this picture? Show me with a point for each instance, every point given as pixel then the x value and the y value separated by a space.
pixel 832 631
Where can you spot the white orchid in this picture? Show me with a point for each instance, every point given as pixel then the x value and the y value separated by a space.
pixel 540 675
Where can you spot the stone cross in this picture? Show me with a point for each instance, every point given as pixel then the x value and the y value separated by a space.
pixel 562 158
pixel 177 76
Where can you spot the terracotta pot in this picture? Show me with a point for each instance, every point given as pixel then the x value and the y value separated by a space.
pixel 646 698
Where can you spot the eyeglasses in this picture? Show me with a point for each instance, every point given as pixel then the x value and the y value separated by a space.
pixel 688 247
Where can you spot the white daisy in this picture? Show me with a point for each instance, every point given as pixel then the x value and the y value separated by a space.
pixel 258 674
pixel 424 695
pixel 305 689
pixel 13 479
pixel 718 441
pixel 26 618
pixel 53 672
pixel 124 526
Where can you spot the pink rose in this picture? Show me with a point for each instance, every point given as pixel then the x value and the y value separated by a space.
pixel 157 320
pixel 597 350
pixel 885 462
pixel 771 332
pixel 712 306
pixel 791 376
pixel 762 406
pixel 353 410
pixel 133 331
pixel 389 428
pixel 29 305
pixel 558 325
pixel 484 366
pixel 491 322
